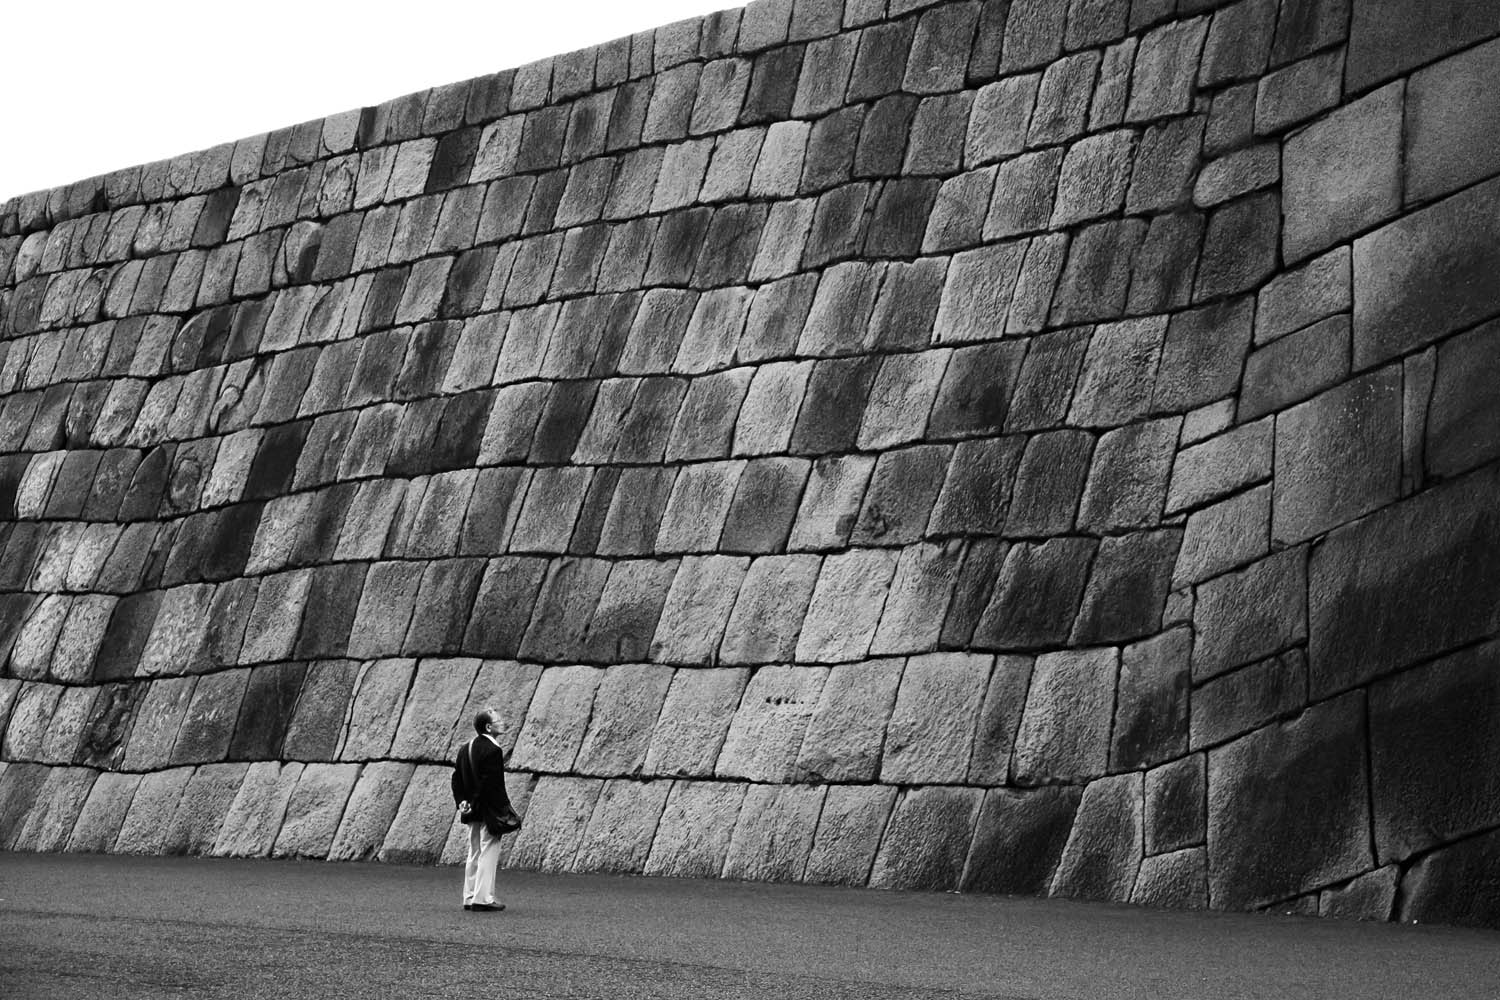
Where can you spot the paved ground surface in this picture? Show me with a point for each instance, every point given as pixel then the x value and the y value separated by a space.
pixel 119 927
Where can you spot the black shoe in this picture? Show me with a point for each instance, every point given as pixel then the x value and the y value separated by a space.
pixel 488 907
pixel 468 906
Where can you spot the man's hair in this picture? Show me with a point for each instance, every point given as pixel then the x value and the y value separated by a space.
pixel 483 719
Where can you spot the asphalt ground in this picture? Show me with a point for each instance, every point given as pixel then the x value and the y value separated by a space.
pixel 125 927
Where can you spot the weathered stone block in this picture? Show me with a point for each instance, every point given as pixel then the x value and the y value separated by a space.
pixel 697 608
pixel 848 835
pixel 900 499
pixel 1454 885
pixel 564 607
pixel 1422 277
pixel 847 729
pixel 1288 807
pixel 1337 456
pixel 912 619
pixel 998 119
pixel 1049 483
pixel 927 839
pixel 1228 534
pixel 1065 729
pixel 1451 131
pixel 1165 66
pixel 775 390
pixel 194 827
pixel 1094 177
pixel 1151 707
pixel 1175 810
pixel 208 724
pixel 1343 174
pixel 371 808
pixel 151 808
pixel 697 507
pixel 53 814
pixel 1249 614
pixel 1296 367
pixel 1234 704
pixel 556 814
pixel 1104 850
pixel 1023 199
pixel 1430 729
pixel 1371 896
pixel 1220 466
pixel 254 817
pixel 1176 881
pixel 774 833
pixel 974 396
pixel 977 293
pixel 1044 385
pixel 931 732
pixel 557 719
pixel 1063 99
pixel 1118 372
pixel 626 707
pixel 766 732
pixel 317 725
pixel 314 809
pixel 621 827
pixel 694 719
pixel 1037 594
pixel 375 709
pixel 1127 587
pixel 432 717
pixel 1019 839
pixel 1202 355
pixel 696 825
pixel 1127 482
pixel 901 398
pixel 1387 38
pixel 1464 410
pixel 767 616
pixel 99 820
pixel 845 607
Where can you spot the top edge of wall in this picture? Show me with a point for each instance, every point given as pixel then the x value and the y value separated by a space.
pixel 552 80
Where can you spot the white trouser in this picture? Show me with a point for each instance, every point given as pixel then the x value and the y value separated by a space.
pixel 479 869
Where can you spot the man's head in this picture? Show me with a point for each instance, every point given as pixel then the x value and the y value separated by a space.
pixel 484 720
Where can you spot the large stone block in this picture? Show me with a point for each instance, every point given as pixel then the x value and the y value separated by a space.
pixel 1455 885
pixel 999 719
pixel 694 719
pixel 927 839
pixel 1388 37
pixel 1227 534
pixel 1019 840
pixel 692 838
pixel 765 734
pixel 254 817
pixel 1371 896
pixel 1427 275
pixel 900 499
pixel 1343 174
pixel 371 808
pixel 1288 807
pixel 1065 730
pixel 697 608
pixel 1249 614
pixel 1295 367
pixel 1127 588
pixel 1036 595
pixel 774 833
pixel 1246 699
pixel 99 820
pixel 912 618
pixel 1118 373
pixel 266 710
pixel 845 606
pixel 976 296
pixel 1177 881
pixel 1432 731
pixel 1049 483
pixel 847 730
pixel 1451 130
pixel 432 717
pixel 1104 850
pixel 422 820
pixel 619 832
pixel 625 711
pixel 1151 704
pixel 208 724
pixel 557 719
pixel 930 737
pixel 1127 482
pixel 19 785
pixel 1294 299
pixel 195 825
pixel 1463 418
pixel 317 724
pixel 151 808
pixel 848 834
pixel 314 810
pixel 55 811
pixel 556 814
pixel 1175 805
pixel 766 620
pixel 1404 584
pixel 375 709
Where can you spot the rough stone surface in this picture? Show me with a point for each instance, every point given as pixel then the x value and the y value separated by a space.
pixel 620 829
pixel 697 823
pixel 774 833
pixel 557 718
pixel 930 735
pixel 1251 613
pixel 1065 729
pixel 847 731
pixel 254 817
pixel 927 839
pixel 626 707
pixel 1103 854
pixel 1020 839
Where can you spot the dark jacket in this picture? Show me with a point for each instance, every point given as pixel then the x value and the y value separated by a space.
pixel 479 778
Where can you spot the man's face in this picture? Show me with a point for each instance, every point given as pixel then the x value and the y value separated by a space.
pixel 492 728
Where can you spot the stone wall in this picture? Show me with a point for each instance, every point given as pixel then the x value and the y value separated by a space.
pixel 1045 446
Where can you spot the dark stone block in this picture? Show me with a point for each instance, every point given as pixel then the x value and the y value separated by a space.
pixel 1389 37
pixel 578 263
pixel 976 493
pixel 542 135
pixel 831 145
pixel 614 334
pixel 880 64
pixel 487 522
pixel 625 621
pixel 1037 595
pixel 266 711
pixel 427 359
pixel 564 608
pixel 112 480
pixel 14 610
pixel 884 135
pixel 942 32
pixel 834 405
pixel 1019 840
pixel 1434 732
pixel 937 134
pixel 974 396
pixel 1248 698
pixel 503 606
pixel 1127 484
pixel 706 423
pixel 983 558
pixel 1202 355
pixel 773 85
pixel 70 490
pixel 112 715
pixel 1049 483
pixel 764 507
pixel 1251 613
pixel 1463 417
pixel 729 246
pixel 460 431
pixel 332 601
pixel 208 726
pixel 1128 588
pixel 12 470
pixel 989 37
pixel 635 511
pixel 317 723
pixel 838 225
pixel 679 241
pixel 899 499
pixel 900 218
pixel 452 160
pixel 1151 705
pixel 927 839
pixel 386 289
pixel 19 786
pixel 1044 385
pixel 380 358
pixel 1240 248
pixel 1176 794
pixel 907 306
pixel 468 280
pixel 628 114
pixel 489 97
pixel 1033 34
pixel 228 541
pixel 275 461
pixel 444 600
pixel 563 419
pixel 1456 885
pixel 213 221
pixel 1288 807
pixel 648 428
pixel 1305 26
pixel 1295 367
pixel 1096 279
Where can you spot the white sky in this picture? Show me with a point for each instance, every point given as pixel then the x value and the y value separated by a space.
pixel 89 86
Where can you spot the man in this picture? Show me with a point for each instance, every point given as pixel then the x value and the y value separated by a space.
pixel 479 789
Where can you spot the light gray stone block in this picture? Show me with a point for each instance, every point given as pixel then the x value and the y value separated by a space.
pixel 920 590
pixel 1065 729
pixel 372 806
pixel 254 818
pixel 847 730
pixel 846 605
pixel 1221 466
pixel 931 733
pixel 557 719
pixel 1177 881
pixel 559 809
pixel 152 806
pixel 1104 851
pixel 694 719
pixel 692 838
pixel 375 710
pixel 626 708
pixel 619 832
pixel 766 733
pixel 314 810
pixel 55 811
pixel 697 609
pixel 104 811
pixel 774 833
